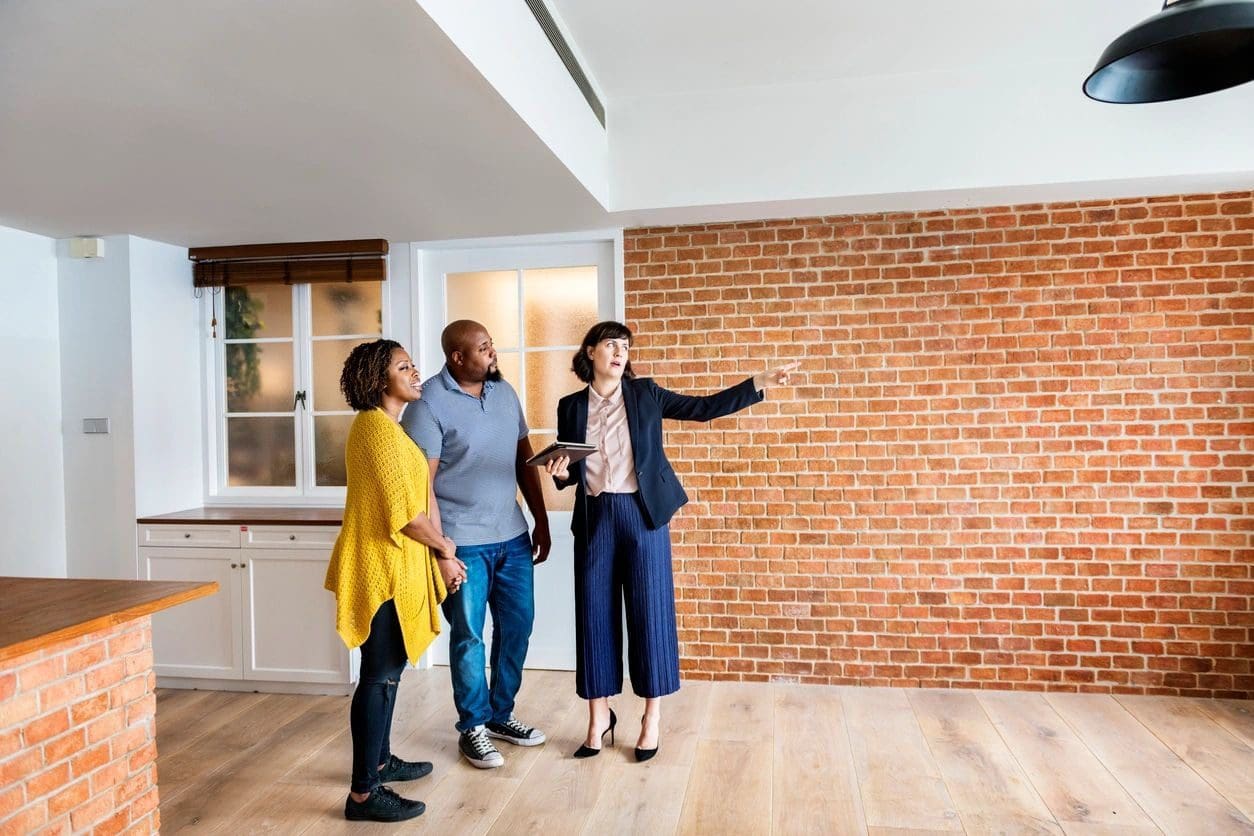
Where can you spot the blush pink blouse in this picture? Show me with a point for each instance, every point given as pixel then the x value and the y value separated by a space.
pixel 612 468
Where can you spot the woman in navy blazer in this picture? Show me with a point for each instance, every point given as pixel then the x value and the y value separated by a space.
pixel 622 540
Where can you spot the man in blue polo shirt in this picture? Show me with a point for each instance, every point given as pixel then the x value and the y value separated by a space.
pixel 471 428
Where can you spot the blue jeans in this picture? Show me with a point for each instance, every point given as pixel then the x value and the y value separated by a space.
pixel 499 577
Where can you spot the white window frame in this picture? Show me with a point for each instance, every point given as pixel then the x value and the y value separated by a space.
pixel 305 492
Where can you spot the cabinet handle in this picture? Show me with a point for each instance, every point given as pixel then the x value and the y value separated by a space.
pixel 291 536
pixel 234 566
pixel 242 565
pixel 187 536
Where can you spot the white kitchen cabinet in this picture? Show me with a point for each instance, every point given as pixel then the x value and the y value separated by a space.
pixel 271 626
pixel 200 639
pixel 289 619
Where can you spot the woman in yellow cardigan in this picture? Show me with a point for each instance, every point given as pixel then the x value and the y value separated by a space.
pixel 390 569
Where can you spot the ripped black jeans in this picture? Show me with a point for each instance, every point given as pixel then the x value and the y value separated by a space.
pixel 370 718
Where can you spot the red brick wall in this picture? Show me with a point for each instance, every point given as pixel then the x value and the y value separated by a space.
pixel 1021 456
pixel 77 736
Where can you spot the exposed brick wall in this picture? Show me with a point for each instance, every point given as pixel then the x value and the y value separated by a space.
pixel 77 736
pixel 1021 455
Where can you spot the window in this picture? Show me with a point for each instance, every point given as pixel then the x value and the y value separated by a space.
pixel 537 319
pixel 280 419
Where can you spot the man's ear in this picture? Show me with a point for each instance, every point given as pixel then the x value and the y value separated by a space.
pixel 456 358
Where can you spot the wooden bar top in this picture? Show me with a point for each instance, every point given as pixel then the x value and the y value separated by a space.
pixel 39 612
pixel 240 515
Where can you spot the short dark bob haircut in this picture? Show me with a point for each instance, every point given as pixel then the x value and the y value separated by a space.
pixel 365 374
pixel 609 330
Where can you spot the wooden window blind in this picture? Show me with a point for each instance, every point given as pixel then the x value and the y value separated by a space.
pixel 362 260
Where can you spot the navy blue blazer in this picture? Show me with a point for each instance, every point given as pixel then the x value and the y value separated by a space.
pixel 647 404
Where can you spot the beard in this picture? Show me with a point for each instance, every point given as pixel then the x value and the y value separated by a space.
pixel 493 374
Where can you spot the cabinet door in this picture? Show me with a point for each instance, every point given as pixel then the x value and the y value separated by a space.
pixel 202 637
pixel 289 618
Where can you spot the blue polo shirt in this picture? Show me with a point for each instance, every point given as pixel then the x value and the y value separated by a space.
pixel 476 441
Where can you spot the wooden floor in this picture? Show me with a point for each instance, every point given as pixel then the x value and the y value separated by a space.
pixel 734 758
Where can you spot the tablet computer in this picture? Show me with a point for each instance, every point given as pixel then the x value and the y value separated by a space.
pixel 576 450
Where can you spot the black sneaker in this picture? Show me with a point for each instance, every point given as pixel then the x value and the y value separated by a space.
pixel 516 733
pixel 477 749
pixel 382 805
pixel 398 770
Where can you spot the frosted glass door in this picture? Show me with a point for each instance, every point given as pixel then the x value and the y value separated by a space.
pixel 537 303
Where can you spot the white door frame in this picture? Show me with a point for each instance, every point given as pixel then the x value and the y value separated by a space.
pixel 552 641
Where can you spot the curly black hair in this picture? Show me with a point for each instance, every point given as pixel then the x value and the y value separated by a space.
pixel 365 374
pixel 581 365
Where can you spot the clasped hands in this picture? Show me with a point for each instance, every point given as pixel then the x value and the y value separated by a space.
pixel 451 569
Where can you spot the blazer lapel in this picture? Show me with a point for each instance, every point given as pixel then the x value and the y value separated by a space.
pixel 581 418
pixel 633 412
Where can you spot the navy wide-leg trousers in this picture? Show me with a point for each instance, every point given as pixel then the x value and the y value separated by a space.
pixel 624 559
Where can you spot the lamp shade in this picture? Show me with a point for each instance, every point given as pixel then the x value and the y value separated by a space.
pixel 1189 48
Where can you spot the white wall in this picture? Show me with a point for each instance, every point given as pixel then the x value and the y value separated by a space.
pixel 95 316
pixel 167 382
pixel 130 352
pixel 32 490
pixel 916 140
pixel 508 47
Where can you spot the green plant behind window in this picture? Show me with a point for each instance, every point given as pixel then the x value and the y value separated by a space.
pixel 243 360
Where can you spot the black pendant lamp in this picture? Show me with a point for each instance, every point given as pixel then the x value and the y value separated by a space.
pixel 1189 48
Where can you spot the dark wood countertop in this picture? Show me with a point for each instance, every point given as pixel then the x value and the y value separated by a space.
pixel 241 515
pixel 39 612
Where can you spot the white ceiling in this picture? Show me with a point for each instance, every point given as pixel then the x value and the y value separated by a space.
pixel 242 121
pixel 238 121
pixel 659 47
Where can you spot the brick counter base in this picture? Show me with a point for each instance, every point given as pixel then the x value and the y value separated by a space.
pixel 1020 455
pixel 77 736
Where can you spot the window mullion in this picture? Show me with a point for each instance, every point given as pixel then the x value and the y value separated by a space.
pixel 303 329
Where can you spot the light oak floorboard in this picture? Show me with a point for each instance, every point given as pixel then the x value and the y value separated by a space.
pixel 901 786
pixel 1171 793
pixel 990 790
pixel 639 798
pixel 1223 759
pixel 735 758
pixel 743 711
pixel 558 792
pixel 1081 793
pixel 237 725
pixel 249 774
pixel 1237 716
pixel 729 789
pixel 203 714
pixel 816 787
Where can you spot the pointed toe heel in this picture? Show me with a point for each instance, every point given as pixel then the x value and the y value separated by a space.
pixel 587 751
pixel 643 755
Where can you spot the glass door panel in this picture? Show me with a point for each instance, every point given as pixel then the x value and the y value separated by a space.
pixel 537 303
pixel 489 298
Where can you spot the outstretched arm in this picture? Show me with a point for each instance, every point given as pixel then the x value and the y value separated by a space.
pixel 708 407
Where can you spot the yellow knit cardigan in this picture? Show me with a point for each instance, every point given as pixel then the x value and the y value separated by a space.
pixel 372 560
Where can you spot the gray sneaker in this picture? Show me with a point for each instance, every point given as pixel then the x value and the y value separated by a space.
pixel 478 749
pixel 516 733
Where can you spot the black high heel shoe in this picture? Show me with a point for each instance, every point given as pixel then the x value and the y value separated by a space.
pixel 588 751
pixel 643 755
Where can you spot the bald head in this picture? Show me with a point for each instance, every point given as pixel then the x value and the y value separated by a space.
pixel 461 335
pixel 469 354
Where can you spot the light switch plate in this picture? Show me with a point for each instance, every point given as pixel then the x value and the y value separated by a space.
pixel 95 425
